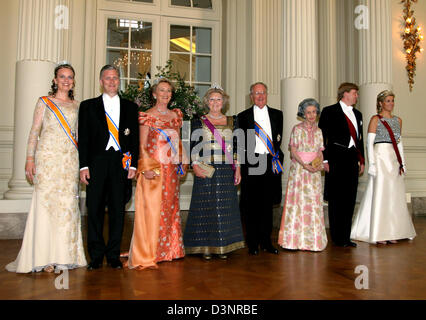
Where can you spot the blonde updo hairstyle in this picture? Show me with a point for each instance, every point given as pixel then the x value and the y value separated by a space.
pixel 381 98
pixel 209 92
pixel 154 88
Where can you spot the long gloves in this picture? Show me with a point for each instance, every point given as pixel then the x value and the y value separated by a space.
pixel 372 171
pixel 401 152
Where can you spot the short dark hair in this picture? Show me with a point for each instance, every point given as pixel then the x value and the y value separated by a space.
pixel 109 67
pixel 345 87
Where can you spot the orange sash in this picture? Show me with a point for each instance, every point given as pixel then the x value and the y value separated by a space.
pixel 61 119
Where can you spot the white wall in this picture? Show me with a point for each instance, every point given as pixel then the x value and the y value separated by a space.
pixel 8 34
pixel 411 106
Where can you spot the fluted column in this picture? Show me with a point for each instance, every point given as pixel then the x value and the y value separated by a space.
pixel 327 52
pixel 266 38
pixel 42 42
pixel 299 61
pixel 375 56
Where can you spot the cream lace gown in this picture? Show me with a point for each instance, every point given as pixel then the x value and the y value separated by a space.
pixel 53 229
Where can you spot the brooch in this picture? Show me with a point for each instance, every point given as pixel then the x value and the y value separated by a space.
pixel 127 132
pixel 278 137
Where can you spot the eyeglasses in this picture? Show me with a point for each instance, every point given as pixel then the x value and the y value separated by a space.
pixel 217 99
pixel 257 93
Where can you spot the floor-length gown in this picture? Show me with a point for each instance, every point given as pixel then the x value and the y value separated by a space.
pixel 157 234
pixel 214 222
pixel 302 222
pixel 53 229
pixel 383 213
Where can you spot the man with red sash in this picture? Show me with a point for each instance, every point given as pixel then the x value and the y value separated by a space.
pixel 108 132
pixel 341 126
pixel 261 169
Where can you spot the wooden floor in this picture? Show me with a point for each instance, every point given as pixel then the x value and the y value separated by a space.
pixel 394 272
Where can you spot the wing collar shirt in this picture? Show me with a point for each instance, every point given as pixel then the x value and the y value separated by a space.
pixel 261 116
pixel 348 111
pixel 112 106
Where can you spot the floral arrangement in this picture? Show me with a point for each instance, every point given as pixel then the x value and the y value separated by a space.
pixel 185 96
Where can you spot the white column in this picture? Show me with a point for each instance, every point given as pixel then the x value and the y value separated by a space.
pixel 327 52
pixel 237 58
pixel 299 61
pixel 375 56
pixel 266 39
pixel 42 42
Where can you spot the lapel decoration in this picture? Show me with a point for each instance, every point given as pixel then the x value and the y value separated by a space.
pixel 126 131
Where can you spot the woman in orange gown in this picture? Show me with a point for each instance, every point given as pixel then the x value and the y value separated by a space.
pixel 157 234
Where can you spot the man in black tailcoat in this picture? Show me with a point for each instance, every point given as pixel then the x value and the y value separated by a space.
pixel 341 125
pixel 260 185
pixel 108 138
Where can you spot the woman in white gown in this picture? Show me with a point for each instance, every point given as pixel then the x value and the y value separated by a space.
pixel 52 237
pixel 383 215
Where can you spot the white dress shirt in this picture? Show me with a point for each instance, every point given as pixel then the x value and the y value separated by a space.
pixel 261 116
pixel 112 106
pixel 348 110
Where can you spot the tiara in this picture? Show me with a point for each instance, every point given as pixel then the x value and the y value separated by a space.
pixel 215 85
pixel 61 63
pixel 383 93
pixel 156 81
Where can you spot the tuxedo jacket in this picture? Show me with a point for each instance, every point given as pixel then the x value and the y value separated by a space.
pixel 93 133
pixel 245 122
pixel 336 132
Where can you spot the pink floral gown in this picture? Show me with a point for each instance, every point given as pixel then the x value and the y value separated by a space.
pixel 302 222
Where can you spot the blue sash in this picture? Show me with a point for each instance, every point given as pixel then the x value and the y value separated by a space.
pixel 179 168
pixel 277 167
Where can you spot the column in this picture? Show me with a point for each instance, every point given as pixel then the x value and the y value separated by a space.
pixel 375 56
pixel 299 62
pixel 266 37
pixel 327 52
pixel 42 42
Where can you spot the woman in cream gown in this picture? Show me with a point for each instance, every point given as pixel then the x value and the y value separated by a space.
pixel 52 237
pixel 383 215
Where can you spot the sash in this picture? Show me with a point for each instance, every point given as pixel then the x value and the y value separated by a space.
pixel 180 168
pixel 219 140
pixel 352 131
pixel 394 144
pixel 277 167
pixel 113 132
pixel 57 112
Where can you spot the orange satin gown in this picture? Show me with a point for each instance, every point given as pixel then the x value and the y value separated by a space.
pixel 157 233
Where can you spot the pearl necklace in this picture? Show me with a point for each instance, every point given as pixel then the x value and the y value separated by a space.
pixel 163 112
pixel 215 117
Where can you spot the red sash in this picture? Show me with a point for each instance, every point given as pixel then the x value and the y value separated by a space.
pixel 352 130
pixel 395 147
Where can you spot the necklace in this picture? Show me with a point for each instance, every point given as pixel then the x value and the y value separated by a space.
pixel 163 112
pixel 215 117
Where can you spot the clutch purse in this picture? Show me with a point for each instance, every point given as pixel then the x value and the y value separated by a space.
pixel 207 168
pixel 316 163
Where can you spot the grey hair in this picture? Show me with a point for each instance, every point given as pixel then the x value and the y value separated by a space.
pixel 307 103
pixel 255 84
pixel 109 67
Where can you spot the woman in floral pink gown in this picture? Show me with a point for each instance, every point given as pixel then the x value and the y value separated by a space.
pixel 302 222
